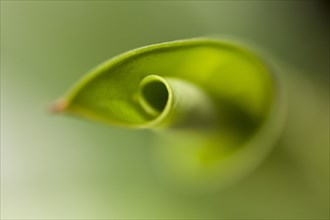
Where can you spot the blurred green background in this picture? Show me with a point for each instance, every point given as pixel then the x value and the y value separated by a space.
pixel 62 167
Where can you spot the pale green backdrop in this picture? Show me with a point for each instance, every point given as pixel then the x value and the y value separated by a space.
pixel 55 167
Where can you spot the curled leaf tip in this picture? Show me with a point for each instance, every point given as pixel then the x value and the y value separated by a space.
pixel 218 106
pixel 58 106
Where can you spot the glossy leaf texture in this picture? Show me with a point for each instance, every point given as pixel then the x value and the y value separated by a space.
pixel 216 106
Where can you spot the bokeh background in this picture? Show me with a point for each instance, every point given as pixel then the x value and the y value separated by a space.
pixel 55 167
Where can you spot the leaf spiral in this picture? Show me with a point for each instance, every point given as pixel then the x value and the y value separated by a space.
pixel 218 105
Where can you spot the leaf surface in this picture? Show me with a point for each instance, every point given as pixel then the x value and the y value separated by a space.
pixel 215 100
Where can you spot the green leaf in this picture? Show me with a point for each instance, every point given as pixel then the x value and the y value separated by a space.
pixel 217 103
